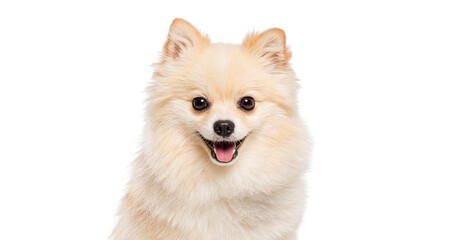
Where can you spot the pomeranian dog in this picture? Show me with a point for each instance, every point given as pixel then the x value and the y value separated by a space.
pixel 224 149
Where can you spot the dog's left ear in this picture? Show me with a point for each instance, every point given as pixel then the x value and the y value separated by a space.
pixel 269 45
pixel 182 36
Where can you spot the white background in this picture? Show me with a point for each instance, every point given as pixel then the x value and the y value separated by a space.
pixel 374 94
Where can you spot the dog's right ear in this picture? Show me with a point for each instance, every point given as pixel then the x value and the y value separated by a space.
pixel 182 36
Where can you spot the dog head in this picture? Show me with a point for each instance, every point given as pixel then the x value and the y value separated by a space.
pixel 222 103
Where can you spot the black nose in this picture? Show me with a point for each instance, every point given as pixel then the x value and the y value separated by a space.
pixel 224 128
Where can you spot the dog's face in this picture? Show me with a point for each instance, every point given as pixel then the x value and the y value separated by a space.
pixel 221 97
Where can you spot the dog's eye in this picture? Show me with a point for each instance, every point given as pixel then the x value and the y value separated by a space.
pixel 200 103
pixel 247 103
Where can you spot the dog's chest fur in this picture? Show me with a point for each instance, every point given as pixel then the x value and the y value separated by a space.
pixel 256 216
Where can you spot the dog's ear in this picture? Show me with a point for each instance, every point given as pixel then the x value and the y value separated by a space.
pixel 269 45
pixel 181 36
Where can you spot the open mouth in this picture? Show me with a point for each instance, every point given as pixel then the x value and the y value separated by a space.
pixel 223 151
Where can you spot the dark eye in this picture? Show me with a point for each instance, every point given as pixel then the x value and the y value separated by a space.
pixel 247 103
pixel 199 103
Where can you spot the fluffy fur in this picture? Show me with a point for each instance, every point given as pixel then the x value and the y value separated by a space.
pixel 177 190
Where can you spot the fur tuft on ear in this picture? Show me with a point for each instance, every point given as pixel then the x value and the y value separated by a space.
pixel 269 45
pixel 181 36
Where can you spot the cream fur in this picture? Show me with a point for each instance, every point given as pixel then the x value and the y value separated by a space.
pixel 176 190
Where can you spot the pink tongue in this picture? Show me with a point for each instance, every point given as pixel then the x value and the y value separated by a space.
pixel 224 151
